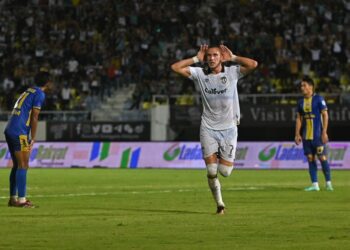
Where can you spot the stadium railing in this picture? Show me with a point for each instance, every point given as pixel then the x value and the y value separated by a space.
pixel 65 116
pixel 144 113
pixel 331 98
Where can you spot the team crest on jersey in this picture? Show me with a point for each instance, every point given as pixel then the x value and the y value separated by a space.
pixel 320 150
pixel 206 80
pixel 223 80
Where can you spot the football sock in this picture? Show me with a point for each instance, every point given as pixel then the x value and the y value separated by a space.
pixel 22 199
pixel 13 186
pixel 315 184
pixel 212 170
pixel 215 188
pixel 21 180
pixel 326 170
pixel 313 171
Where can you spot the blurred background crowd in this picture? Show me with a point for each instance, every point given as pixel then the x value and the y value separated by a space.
pixel 94 47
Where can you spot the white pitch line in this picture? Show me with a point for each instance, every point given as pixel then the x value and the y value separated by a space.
pixel 128 192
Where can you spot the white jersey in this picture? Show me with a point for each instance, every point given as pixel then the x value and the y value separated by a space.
pixel 219 96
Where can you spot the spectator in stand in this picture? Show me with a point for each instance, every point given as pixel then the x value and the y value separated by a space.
pixel 70 37
pixel 65 96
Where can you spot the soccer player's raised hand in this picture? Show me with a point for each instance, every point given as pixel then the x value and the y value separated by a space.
pixel 201 53
pixel 227 54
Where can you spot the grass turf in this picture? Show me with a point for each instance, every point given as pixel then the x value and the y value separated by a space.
pixel 173 209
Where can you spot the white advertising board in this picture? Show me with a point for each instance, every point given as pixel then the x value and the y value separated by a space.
pixel 249 155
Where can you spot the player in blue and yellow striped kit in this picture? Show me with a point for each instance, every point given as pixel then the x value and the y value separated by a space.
pixel 22 124
pixel 312 118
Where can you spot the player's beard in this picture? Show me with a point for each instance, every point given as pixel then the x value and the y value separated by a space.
pixel 214 65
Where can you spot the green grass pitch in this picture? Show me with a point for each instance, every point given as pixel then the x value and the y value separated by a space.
pixel 173 209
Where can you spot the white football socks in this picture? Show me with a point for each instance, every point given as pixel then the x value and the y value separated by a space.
pixel 215 188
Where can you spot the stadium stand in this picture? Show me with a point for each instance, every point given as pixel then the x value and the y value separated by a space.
pixel 93 55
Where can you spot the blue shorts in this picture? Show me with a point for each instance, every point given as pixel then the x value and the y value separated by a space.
pixel 17 143
pixel 314 147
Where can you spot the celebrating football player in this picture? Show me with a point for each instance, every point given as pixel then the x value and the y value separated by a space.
pixel 216 73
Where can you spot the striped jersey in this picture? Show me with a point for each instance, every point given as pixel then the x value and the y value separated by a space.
pixel 19 122
pixel 310 110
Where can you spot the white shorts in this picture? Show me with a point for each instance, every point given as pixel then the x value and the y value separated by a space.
pixel 223 142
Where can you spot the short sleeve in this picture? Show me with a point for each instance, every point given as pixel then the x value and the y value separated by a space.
pixel 194 74
pixel 39 99
pixel 322 104
pixel 239 73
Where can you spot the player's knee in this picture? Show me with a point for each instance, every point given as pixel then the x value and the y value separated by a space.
pixel 211 159
pixel 322 157
pixel 310 158
pixel 212 170
pixel 225 170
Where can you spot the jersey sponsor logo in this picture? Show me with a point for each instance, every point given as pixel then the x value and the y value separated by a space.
pixel 307 105
pixel 215 91
pixel 309 116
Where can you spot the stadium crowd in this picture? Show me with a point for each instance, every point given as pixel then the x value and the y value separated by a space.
pixel 93 47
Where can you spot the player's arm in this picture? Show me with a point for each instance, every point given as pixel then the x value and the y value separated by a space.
pixel 182 67
pixel 247 65
pixel 298 123
pixel 34 118
pixel 324 135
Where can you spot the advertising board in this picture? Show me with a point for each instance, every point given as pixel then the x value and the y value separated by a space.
pixel 249 155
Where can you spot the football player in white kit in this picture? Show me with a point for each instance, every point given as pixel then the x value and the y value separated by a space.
pixel 216 79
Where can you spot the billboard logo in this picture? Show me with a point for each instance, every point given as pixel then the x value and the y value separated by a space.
pixel 267 153
pixel 184 152
pixel 172 152
pixel 282 153
pixel 3 152
pixel 100 152
pixel 336 153
pixel 50 154
pixel 127 161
